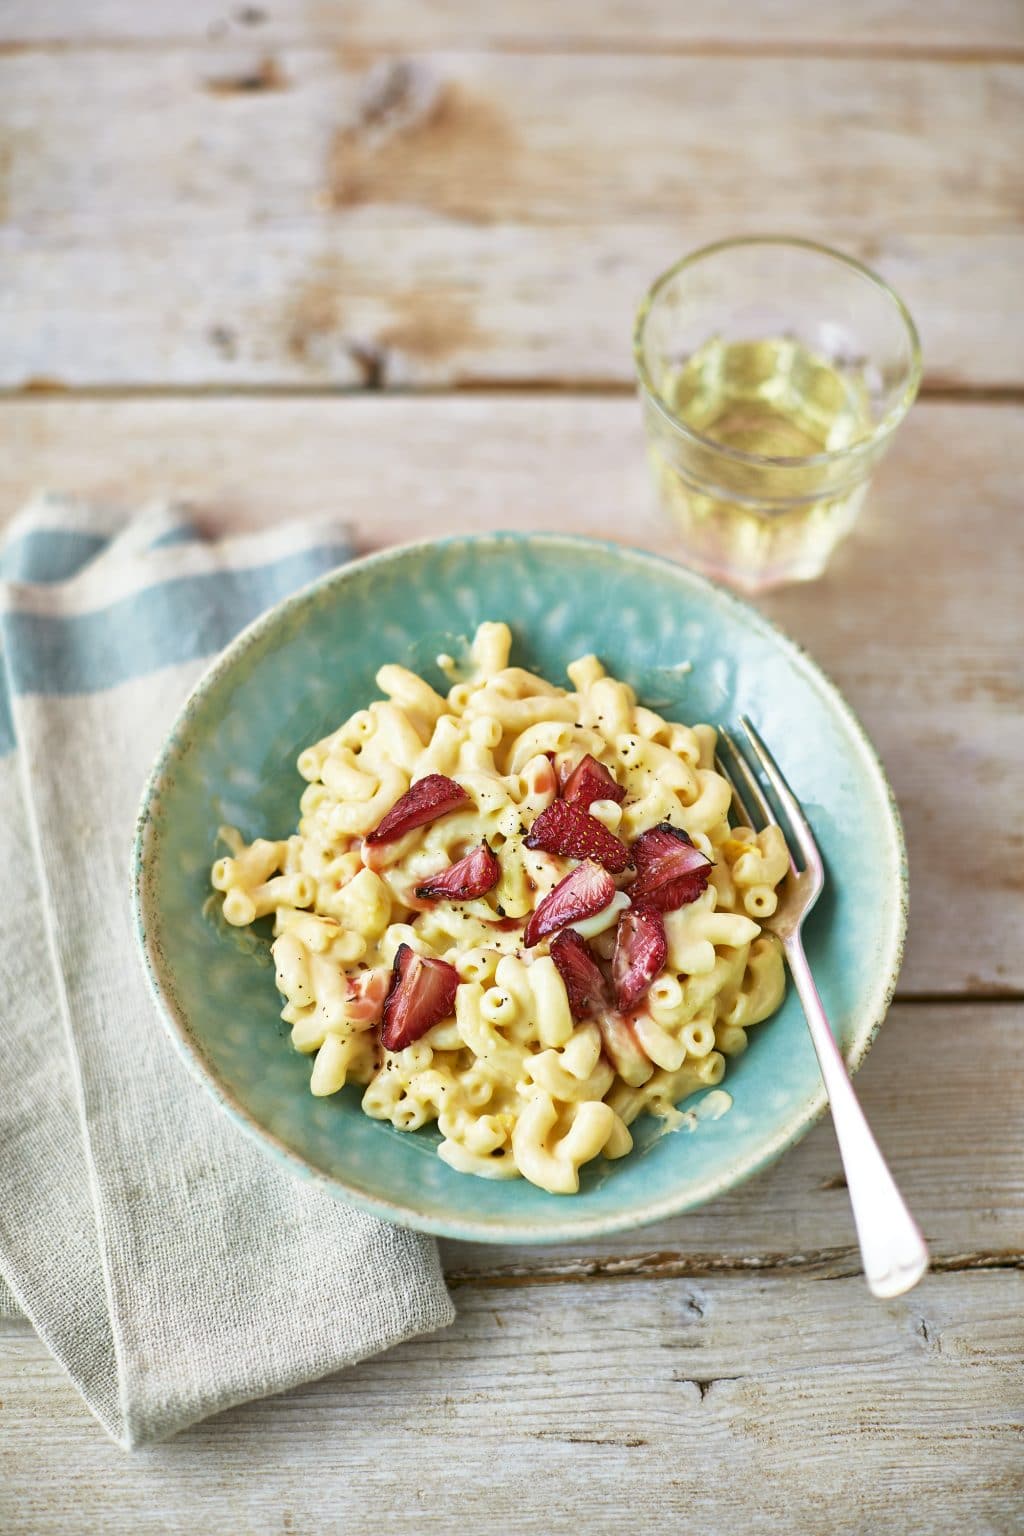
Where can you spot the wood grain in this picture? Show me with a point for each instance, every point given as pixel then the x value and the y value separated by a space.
pixel 748 1404
pixel 306 216
pixel 644 24
pixel 917 619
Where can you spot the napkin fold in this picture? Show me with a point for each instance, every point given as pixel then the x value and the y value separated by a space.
pixel 169 1265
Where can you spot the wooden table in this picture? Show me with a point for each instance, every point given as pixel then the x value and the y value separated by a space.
pixel 384 257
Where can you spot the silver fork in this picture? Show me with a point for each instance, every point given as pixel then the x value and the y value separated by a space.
pixel 891 1246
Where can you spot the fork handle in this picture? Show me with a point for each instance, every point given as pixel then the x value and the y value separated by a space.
pixel 891 1246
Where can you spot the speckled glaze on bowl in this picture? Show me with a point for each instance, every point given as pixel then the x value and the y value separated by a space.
pixel 300 669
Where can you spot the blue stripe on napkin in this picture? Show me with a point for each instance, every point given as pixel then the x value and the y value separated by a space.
pixel 185 533
pixel 40 555
pixel 49 554
pixel 180 620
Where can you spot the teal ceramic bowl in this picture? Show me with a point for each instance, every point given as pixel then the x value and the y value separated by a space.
pixel 690 650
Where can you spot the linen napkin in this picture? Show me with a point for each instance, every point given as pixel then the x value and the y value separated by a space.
pixel 170 1266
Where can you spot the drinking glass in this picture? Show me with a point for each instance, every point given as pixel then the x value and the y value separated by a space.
pixel 773 373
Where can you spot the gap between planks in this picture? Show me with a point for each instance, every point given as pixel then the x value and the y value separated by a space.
pixel 959 999
pixel 568 43
pixel 41 387
pixel 819 1264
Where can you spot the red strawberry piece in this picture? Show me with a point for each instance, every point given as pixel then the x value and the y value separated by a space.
pixel 569 830
pixel 428 799
pixel 474 875
pixel 584 983
pixel 670 871
pixel 584 893
pixel 422 993
pixel 640 951
pixel 590 781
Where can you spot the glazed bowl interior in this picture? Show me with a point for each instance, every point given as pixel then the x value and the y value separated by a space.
pixel 691 651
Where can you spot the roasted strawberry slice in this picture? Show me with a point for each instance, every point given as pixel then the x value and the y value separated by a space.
pixel 428 799
pixel 474 875
pixel 590 781
pixel 584 893
pixel 670 871
pixel 640 951
pixel 585 985
pixel 422 993
pixel 571 831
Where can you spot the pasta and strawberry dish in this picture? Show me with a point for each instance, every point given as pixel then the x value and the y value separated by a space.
pixel 516 910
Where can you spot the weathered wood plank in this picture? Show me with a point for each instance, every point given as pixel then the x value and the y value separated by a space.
pixel 952 1138
pixel 298 218
pixel 931 663
pixel 651 24
pixel 741 1404
pixel 330 302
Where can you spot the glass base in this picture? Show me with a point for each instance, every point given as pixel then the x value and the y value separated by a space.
pixel 746 582
pixel 749 547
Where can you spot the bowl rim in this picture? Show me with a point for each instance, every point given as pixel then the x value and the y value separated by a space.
pixel 455 1225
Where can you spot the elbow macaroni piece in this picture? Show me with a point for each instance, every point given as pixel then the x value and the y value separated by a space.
pixel 516 1085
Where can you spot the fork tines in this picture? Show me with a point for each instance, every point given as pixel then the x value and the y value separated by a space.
pixel 751 801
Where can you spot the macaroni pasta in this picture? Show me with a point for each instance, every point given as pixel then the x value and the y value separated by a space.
pixel 520 1077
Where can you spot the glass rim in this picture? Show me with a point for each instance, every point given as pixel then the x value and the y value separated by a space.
pixel 885 427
